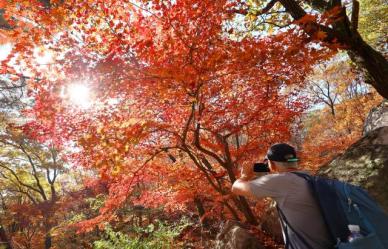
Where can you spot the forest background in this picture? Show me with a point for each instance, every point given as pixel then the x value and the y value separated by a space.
pixel 124 123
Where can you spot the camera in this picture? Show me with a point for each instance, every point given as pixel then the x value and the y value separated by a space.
pixel 261 167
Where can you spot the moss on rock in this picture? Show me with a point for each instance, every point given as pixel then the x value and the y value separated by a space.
pixel 365 164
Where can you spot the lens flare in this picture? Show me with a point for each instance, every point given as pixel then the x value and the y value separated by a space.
pixel 80 95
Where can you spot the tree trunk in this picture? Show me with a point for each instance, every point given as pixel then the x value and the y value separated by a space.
pixel 332 108
pixel 246 209
pixel 232 211
pixel 243 205
pixel 47 241
pixel 201 211
pixel 4 240
pixel 373 61
pixel 241 202
pixel 47 238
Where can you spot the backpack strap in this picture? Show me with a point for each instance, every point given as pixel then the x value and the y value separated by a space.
pixel 284 230
pixel 329 203
pixel 285 225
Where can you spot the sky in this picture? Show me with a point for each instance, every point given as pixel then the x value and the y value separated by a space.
pixel 5 49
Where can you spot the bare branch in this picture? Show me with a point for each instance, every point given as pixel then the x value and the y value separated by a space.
pixel 185 130
pixel 28 195
pixel 35 173
pixel 18 179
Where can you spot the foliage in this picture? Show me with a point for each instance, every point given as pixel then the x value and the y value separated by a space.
pixel 154 236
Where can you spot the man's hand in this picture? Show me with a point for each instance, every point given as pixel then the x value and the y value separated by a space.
pixel 247 173
pixel 242 186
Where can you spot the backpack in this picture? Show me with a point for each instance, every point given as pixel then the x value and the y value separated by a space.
pixel 343 204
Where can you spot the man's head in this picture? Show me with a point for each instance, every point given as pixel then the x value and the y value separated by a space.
pixel 282 157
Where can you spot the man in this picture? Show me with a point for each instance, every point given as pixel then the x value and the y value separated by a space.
pixel 301 219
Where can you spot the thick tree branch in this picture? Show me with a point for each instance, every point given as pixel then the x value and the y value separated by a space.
pixel 18 179
pixel 185 130
pixel 231 209
pixel 228 160
pixel 46 3
pixel 267 8
pixel 318 4
pixel 209 167
pixel 3 23
pixel 202 149
pixel 355 13
pixel 293 8
pixel 186 149
pixel 29 196
pixel 35 173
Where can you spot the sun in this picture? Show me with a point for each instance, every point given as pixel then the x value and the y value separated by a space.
pixel 80 95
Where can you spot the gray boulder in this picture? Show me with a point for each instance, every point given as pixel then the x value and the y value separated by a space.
pixel 365 164
pixel 377 117
pixel 233 235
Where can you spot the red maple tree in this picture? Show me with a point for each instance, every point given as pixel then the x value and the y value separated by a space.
pixel 178 105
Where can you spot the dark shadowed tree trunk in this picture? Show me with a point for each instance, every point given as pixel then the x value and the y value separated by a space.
pixel 47 241
pixel 373 61
pixel 201 211
pixel 4 240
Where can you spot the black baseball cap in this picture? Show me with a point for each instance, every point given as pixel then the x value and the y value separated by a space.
pixel 282 152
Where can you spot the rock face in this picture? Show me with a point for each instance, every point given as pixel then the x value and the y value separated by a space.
pixel 365 164
pixel 232 235
pixel 377 117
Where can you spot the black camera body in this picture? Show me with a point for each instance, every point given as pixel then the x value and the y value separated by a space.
pixel 261 167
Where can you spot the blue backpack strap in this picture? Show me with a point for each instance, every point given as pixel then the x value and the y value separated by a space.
pixel 330 206
pixel 285 225
pixel 284 230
